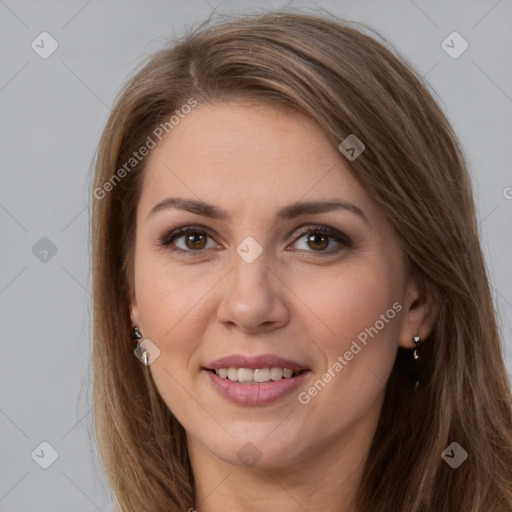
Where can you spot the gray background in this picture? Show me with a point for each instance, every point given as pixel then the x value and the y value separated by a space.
pixel 52 114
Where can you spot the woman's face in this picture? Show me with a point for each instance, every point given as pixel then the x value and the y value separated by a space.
pixel 258 292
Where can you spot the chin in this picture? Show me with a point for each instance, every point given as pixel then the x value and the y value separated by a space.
pixel 256 449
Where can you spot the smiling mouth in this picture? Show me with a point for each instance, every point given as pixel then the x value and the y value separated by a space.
pixel 256 375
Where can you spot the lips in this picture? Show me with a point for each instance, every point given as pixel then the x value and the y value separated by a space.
pixel 236 377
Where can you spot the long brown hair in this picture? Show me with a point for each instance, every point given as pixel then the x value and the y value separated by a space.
pixel 413 167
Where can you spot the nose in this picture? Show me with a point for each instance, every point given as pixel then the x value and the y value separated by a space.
pixel 255 298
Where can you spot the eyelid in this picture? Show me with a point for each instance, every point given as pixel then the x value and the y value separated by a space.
pixel 337 235
pixel 178 231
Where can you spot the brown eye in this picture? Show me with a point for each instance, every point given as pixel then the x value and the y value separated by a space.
pixel 318 239
pixel 195 239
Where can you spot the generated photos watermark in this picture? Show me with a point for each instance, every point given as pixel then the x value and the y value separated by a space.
pixel 305 397
pixel 351 147
pixel 158 133
pixel 454 455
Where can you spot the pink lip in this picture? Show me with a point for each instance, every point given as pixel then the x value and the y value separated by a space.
pixel 255 394
pixel 263 361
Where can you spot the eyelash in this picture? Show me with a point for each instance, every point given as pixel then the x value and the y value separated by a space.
pixel 339 237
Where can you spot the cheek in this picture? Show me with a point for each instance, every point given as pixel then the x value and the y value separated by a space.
pixel 360 314
pixel 170 301
pixel 357 313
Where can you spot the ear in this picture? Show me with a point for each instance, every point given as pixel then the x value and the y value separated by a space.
pixel 421 308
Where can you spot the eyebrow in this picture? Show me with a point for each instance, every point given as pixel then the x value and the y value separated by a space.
pixel 286 213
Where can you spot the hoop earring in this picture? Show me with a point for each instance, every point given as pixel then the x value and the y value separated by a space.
pixel 140 351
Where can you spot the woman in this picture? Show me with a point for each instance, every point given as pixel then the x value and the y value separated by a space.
pixel 284 231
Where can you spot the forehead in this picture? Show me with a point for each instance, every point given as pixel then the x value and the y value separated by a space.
pixel 243 155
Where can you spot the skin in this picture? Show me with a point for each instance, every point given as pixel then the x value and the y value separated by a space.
pixel 291 301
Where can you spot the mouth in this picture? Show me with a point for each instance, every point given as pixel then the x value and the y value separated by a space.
pixel 255 380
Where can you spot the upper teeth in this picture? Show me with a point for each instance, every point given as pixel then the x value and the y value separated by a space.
pixel 254 376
